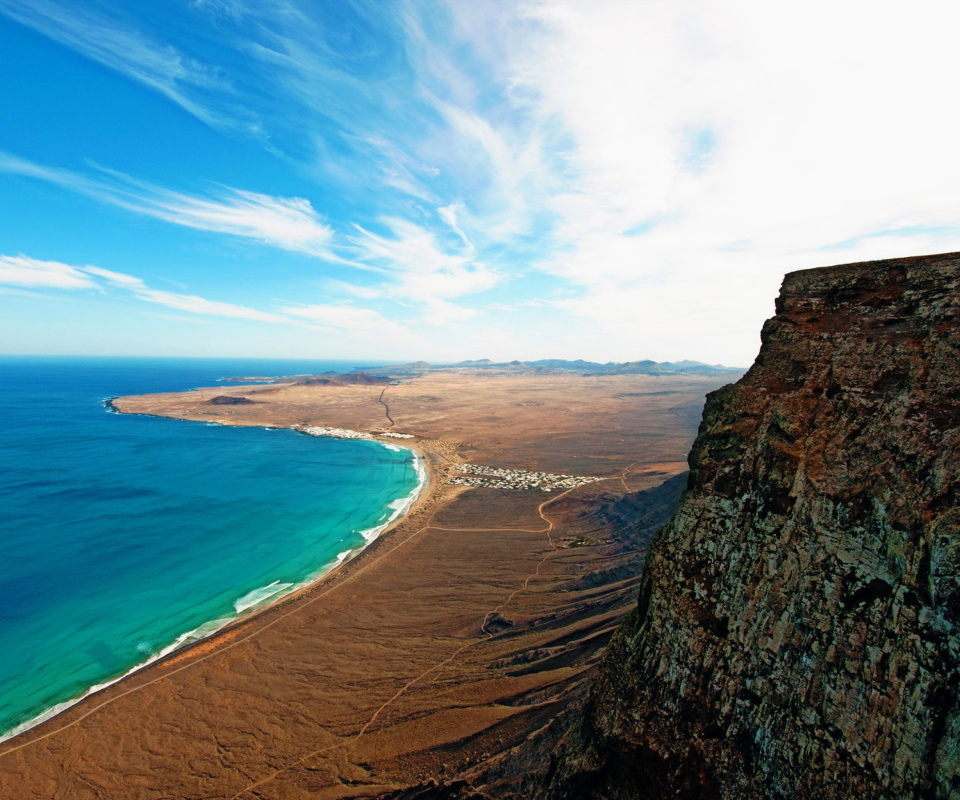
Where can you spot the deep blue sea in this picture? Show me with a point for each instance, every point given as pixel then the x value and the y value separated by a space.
pixel 123 536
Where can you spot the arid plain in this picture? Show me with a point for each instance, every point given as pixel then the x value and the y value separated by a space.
pixel 459 634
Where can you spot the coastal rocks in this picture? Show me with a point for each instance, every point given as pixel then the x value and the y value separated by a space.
pixel 798 627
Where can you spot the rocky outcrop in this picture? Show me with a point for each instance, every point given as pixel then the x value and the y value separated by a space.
pixel 230 400
pixel 347 379
pixel 362 379
pixel 316 382
pixel 798 628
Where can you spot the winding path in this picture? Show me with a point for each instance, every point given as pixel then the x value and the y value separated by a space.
pixel 383 402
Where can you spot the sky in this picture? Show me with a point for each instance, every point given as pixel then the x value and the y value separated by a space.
pixel 390 180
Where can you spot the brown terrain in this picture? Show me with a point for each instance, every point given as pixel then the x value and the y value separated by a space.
pixel 471 628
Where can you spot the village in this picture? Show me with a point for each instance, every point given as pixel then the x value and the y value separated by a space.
pixel 336 433
pixel 344 433
pixel 517 479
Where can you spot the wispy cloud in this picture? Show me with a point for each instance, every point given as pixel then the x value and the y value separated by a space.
pixel 387 112
pixel 201 89
pixel 393 106
pixel 30 272
pixel 424 271
pixel 22 271
pixel 647 171
pixel 419 267
pixel 707 148
pixel 183 302
pixel 400 170
pixel 363 321
pixel 449 215
pixel 25 275
pixel 290 223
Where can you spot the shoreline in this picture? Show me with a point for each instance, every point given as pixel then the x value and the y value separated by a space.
pixel 456 635
pixel 181 647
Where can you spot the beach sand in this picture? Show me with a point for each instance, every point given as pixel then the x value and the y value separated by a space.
pixel 454 636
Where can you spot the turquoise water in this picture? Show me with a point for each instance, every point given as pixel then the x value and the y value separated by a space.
pixel 121 536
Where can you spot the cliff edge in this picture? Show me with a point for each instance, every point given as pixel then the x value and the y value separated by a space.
pixel 798 628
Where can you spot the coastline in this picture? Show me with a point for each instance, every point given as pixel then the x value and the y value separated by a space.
pixel 208 632
pixel 459 632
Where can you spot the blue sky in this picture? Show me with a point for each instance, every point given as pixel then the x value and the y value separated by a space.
pixel 450 180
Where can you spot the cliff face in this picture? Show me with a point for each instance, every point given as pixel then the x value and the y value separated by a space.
pixel 798 628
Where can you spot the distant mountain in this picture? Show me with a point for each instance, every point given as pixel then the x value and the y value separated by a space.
pixel 315 382
pixel 413 368
pixel 644 367
pixel 559 366
pixel 361 379
pixel 543 366
pixel 350 378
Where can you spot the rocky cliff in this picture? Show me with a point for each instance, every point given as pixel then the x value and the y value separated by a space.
pixel 798 628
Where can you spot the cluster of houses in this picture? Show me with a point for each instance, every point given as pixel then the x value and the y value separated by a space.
pixel 336 433
pixel 499 478
pixel 343 433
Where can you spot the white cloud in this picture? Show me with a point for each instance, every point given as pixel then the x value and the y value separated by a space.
pixel 24 271
pixel 711 147
pixel 290 223
pixel 658 165
pixel 184 302
pixel 444 314
pixel 116 278
pixel 200 305
pixel 21 271
pixel 400 170
pixel 449 215
pixel 200 89
pixel 364 321
pixel 421 268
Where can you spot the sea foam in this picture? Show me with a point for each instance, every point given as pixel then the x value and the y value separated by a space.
pixel 400 506
pixel 260 596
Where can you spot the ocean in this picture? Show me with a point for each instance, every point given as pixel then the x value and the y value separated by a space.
pixel 123 537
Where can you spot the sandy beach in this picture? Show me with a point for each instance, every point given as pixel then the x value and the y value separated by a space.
pixel 455 635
